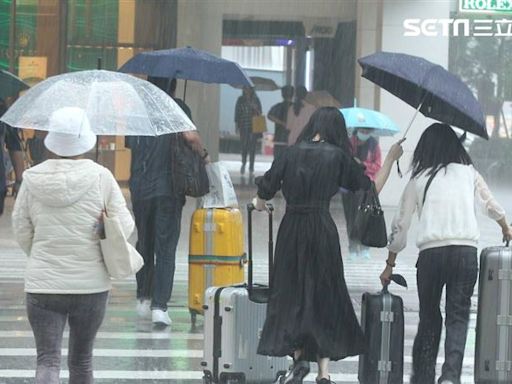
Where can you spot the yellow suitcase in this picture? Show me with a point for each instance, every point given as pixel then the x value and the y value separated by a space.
pixel 216 253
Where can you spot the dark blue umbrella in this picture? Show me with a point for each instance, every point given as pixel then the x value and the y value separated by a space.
pixel 10 85
pixel 428 87
pixel 188 64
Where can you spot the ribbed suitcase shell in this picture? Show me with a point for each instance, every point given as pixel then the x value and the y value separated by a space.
pixel 232 337
pixel 493 353
pixel 216 252
pixel 382 319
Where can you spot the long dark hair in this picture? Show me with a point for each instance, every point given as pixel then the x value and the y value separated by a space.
pixel 438 147
pixel 329 124
pixel 300 95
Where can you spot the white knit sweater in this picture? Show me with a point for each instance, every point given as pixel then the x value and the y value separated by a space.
pixel 448 216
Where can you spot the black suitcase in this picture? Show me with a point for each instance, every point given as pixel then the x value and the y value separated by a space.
pixel 382 319
pixel 493 355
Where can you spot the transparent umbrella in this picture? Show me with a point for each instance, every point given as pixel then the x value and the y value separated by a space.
pixel 115 103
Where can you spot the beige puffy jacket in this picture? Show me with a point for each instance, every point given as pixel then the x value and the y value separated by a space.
pixel 54 220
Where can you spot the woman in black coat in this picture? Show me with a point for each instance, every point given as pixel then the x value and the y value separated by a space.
pixel 310 314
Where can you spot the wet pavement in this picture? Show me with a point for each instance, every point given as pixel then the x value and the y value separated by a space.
pixel 130 350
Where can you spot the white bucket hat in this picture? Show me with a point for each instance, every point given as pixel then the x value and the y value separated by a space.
pixel 80 141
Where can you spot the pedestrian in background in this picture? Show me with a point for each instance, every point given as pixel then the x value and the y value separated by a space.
pixel 299 114
pixel 55 215
pixel 37 150
pixel 10 140
pixel 310 314
pixel 157 206
pixel 366 149
pixel 279 114
pixel 247 106
pixel 443 189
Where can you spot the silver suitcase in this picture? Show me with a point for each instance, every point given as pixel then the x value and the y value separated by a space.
pixel 493 355
pixel 234 318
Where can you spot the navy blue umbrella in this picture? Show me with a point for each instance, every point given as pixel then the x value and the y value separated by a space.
pixel 10 85
pixel 428 87
pixel 188 64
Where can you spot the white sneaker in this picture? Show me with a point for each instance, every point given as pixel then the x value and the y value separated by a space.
pixel 446 382
pixel 160 317
pixel 144 308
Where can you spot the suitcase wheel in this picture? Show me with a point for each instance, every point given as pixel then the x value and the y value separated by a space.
pixel 207 378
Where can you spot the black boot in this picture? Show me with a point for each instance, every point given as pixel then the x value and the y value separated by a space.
pixel 297 372
pixel 324 381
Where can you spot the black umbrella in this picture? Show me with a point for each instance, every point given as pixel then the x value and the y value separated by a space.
pixel 428 87
pixel 10 85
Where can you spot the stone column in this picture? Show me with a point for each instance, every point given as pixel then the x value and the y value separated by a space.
pixel 200 26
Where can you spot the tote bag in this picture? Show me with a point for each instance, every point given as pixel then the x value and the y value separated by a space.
pixel 369 223
pixel 120 257
pixel 259 124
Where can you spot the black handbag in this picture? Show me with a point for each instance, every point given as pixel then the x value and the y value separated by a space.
pixel 189 171
pixel 369 223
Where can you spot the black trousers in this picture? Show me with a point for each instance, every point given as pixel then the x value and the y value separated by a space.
pixel 158 223
pixel 455 267
pixel 248 141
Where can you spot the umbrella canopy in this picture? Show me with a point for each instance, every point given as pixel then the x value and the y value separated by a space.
pixel 115 103
pixel 188 64
pixel 322 99
pixel 10 85
pixel 436 92
pixel 367 118
pixel 262 84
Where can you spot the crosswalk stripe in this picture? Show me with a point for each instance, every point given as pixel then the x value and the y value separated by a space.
pixel 101 352
pixel 118 375
pixel 164 335
pixel 172 353
pixel 181 375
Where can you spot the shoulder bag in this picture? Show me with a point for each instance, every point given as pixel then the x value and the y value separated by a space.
pixel 369 222
pixel 188 168
pixel 427 186
pixel 120 257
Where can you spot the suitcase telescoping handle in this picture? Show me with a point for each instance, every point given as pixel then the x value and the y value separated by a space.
pixel 270 210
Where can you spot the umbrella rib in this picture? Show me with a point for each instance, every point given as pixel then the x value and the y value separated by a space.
pixel 152 98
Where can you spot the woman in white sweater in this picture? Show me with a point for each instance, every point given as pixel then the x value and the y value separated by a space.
pixel 443 189
pixel 55 221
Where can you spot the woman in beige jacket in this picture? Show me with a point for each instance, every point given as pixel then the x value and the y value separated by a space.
pixel 55 221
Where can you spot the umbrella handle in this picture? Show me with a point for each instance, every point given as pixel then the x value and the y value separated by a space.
pixel 407 131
